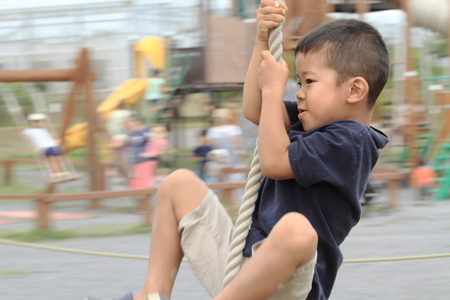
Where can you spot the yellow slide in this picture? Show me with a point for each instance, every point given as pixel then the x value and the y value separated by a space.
pixel 131 91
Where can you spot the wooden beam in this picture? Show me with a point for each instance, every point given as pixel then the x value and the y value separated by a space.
pixel 20 196
pixel 34 75
pixel 123 193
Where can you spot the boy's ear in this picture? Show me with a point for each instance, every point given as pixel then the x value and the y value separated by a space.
pixel 358 90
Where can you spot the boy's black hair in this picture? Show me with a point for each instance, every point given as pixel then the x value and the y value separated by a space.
pixel 353 48
pixel 204 132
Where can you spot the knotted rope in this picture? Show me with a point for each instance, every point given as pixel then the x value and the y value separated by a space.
pixel 244 219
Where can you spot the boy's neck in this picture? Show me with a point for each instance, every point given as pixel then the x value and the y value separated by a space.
pixel 365 120
pixel 361 113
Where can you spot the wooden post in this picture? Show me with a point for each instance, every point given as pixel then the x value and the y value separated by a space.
pixel 69 108
pixel 409 25
pixel 393 186
pixel 412 86
pixel 43 209
pixel 91 115
pixel 146 209
pixel 102 178
pixel 362 7
pixel 8 169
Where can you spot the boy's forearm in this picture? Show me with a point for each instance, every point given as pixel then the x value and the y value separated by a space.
pixel 251 101
pixel 273 142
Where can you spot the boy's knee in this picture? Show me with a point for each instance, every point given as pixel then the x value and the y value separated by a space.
pixel 182 183
pixel 178 177
pixel 183 190
pixel 296 233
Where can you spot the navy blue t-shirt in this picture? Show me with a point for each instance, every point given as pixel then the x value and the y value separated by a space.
pixel 202 151
pixel 137 139
pixel 332 165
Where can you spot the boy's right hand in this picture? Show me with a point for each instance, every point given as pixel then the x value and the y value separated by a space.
pixel 269 15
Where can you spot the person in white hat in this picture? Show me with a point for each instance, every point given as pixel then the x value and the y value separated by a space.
pixel 44 143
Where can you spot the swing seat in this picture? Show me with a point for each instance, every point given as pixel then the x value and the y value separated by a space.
pixel 63 177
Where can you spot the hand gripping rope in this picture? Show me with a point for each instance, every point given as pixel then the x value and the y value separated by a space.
pixel 244 219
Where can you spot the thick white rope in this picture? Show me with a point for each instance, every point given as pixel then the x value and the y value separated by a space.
pixel 244 219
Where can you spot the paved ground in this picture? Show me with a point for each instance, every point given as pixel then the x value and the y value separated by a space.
pixel 409 230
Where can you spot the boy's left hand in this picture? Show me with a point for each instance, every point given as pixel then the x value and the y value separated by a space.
pixel 272 75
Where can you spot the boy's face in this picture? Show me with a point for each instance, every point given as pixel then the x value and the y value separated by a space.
pixel 204 140
pixel 37 123
pixel 320 100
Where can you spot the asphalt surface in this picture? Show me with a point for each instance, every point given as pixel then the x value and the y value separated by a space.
pixel 411 229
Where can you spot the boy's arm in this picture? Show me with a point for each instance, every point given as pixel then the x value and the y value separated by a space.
pixel 269 15
pixel 273 140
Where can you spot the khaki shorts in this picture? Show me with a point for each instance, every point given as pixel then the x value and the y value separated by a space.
pixel 206 235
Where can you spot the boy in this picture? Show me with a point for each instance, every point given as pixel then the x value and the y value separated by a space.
pixel 308 200
pixel 138 136
pixel 42 140
pixel 201 151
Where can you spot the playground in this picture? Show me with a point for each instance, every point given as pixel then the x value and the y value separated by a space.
pixel 409 231
pixel 62 233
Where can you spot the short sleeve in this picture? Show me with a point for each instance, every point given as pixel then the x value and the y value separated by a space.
pixel 324 156
pixel 291 109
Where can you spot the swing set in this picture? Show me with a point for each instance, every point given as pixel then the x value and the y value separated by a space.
pixel 81 76
pixel 58 168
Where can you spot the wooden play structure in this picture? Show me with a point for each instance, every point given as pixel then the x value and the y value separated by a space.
pixel 82 77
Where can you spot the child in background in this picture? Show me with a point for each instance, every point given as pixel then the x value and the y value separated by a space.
pixel 156 88
pixel 217 160
pixel 42 140
pixel 200 153
pixel 155 146
pixel 115 125
pixel 226 135
pixel 423 179
pixel 138 136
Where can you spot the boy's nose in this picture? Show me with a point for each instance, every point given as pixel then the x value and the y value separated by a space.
pixel 300 94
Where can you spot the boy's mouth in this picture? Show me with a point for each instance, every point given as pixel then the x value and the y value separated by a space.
pixel 301 113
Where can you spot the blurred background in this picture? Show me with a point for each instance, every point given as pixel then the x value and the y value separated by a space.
pixel 83 64
pixel 101 99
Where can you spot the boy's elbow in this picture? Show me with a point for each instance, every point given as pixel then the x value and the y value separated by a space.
pixel 276 171
pixel 251 116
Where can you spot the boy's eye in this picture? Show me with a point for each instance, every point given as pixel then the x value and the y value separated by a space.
pixel 307 81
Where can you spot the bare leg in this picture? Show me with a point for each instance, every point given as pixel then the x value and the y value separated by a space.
pixel 54 163
pixel 180 193
pixel 291 243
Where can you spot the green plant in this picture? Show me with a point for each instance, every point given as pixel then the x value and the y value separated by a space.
pixel 24 99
